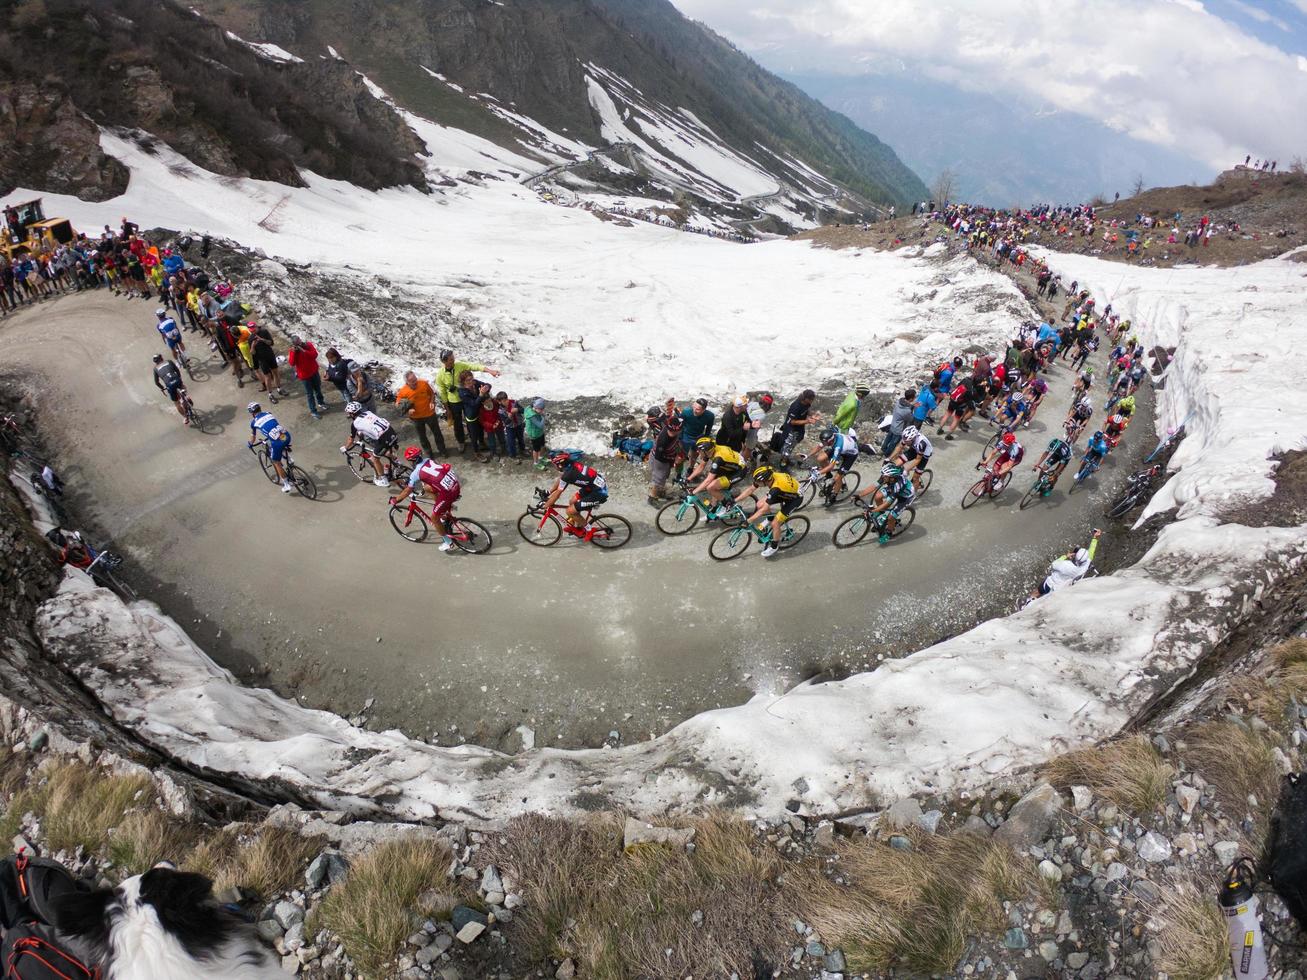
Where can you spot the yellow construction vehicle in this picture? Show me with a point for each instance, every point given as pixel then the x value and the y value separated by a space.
pixel 26 229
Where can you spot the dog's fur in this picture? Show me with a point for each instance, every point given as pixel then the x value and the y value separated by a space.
pixel 163 923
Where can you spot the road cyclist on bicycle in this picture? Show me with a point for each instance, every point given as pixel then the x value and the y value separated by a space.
pixel 1053 461
pixel 1114 428
pixel 591 489
pixel 913 454
pixel 169 380
pixel 172 336
pixel 783 497
pixel 1004 456
pixel 837 456
pixel 376 433
pixel 263 425
pixel 893 492
pixel 1076 420
pixel 718 465
pixel 438 482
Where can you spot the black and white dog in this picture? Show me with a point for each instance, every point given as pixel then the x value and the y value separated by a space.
pixel 162 925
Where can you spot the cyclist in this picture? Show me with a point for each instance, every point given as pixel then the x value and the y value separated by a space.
pixel 1037 389
pixel 718 465
pixel 1053 462
pixel 1137 372
pixel 1004 456
pixel 837 456
pixel 437 481
pixel 1013 410
pixel 169 380
pixel 1126 406
pixel 782 494
pixel 893 492
pixel 1084 382
pixel 376 434
pixel 1114 428
pixel 275 437
pixel 1076 419
pixel 591 488
pixel 913 454
pixel 172 335
pixel 1069 569
pixel 1097 448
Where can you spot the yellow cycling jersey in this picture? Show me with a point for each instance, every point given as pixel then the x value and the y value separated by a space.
pixel 784 483
pixel 726 456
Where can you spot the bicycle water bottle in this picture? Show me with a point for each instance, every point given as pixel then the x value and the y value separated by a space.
pixel 1239 906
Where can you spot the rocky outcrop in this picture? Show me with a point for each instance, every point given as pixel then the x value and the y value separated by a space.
pixel 65 157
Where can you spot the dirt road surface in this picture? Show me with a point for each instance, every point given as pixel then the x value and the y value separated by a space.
pixel 564 646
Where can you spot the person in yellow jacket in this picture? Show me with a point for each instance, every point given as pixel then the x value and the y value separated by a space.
pixel 447 386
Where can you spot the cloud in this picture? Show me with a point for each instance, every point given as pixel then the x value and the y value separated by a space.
pixel 1258 14
pixel 1166 71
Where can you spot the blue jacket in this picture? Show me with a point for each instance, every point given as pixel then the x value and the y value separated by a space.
pixel 696 426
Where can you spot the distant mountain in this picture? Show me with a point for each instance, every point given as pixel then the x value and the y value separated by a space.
pixel 1003 151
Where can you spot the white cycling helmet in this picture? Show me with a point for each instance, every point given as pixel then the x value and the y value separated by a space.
pixel 911 433
pixel 161 312
pixel 254 408
pixel 353 408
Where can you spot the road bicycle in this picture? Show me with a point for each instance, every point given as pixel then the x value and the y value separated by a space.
pixel 990 485
pixel 816 484
pixel 1137 489
pixel 1002 429
pixel 856 527
pixel 300 480
pixel 735 541
pixel 1088 467
pixel 102 565
pixel 682 516
pixel 543 527
pixel 359 458
pixel 1042 487
pixel 1073 427
pixel 412 523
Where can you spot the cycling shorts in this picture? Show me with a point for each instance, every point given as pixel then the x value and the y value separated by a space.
pixel 174 389
pixel 586 500
pixel 277 449
pixel 785 503
pixel 723 483
pixel 172 342
pixel 846 462
pixel 389 439
pixel 444 500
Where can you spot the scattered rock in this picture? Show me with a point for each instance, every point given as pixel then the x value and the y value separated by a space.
pixel 1226 851
pixel 287 914
pixel 929 820
pixel 269 930
pixel 900 843
pixel 470 932
pixel 1077 960
pixel 1015 938
pixel 1187 797
pixel 834 961
pixel 1050 871
pixel 1081 798
pixel 903 814
pixel 329 867
pixel 1049 951
pixel 1153 847
pixel 638 833
pixel 462 915
pixel 566 970
pixel 1031 818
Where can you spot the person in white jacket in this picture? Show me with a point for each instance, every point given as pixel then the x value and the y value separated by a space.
pixel 1070 568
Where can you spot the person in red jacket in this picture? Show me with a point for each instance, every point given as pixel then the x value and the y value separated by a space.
pixel 303 357
pixel 493 426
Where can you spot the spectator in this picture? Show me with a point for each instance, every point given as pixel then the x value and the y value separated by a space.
pixel 696 422
pixel 797 419
pixel 533 425
pixel 492 425
pixel 899 417
pixel 449 385
pixel 265 361
pixel 469 405
pixel 666 454
pixel 758 409
pixel 421 398
pixel 511 415
pixel 925 402
pixel 303 358
pixel 734 422
pixel 338 372
pixel 846 416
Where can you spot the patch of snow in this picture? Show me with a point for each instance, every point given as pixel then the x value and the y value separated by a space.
pixel 334 53
pixel 269 50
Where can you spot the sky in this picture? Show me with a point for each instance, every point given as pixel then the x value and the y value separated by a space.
pixel 1214 80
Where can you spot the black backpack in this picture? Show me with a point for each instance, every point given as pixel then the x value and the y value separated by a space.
pixel 1284 861
pixel 30 949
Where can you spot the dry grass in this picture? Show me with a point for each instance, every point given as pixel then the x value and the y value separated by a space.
pixel 267 862
pixel 1290 652
pixel 913 910
pixel 1239 763
pixel 1129 772
pixel 1192 938
pixel 627 915
pixel 83 805
pixel 146 837
pixel 373 909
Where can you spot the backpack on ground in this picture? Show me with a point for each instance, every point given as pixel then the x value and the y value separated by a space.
pixel 30 949
pixel 1284 861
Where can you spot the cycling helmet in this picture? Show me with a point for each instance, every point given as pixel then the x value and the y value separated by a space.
pixel 762 474
pixel 412 454
pixel 891 471
pixel 161 313
pixel 911 433
pixel 560 459
pixel 1117 419
pixel 158 358
pixel 1008 438
pixel 862 389
pixel 675 422
pixel 766 401
pixel 254 408
pixel 705 442
pixel 353 408
pixel 828 436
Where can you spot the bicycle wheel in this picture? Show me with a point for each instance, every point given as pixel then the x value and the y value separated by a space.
pixel 851 531
pixel 793 531
pixel 302 482
pixel 542 536
pixel 470 536
pixel 360 467
pixel 409 524
pixel 807 494
pixel 400 471
pixel 1000 484
pixel 1082 474
pixel 926 476
pixel 678 517
pixel 976 491
pixel 1123 506
pixel 611 531
pixel 731 543
pixel 989 446
pixel 1031 495
pixel 265 464
pixel 852 481
pixel 906 517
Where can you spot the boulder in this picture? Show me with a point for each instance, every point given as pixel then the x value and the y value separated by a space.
pixel 1032 818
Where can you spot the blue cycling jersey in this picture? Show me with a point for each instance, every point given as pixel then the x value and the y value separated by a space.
pixel 844 445
pixel 168 328
pixel 1098 444
pixel 267 426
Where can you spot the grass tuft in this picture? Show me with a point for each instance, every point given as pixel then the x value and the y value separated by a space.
pixel 267 862
pixel 1129 772
pixel 1192 937
pixel 83 805
pixel 913 910
pixel 1239 762
pixel 372 910
pixel 146 837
